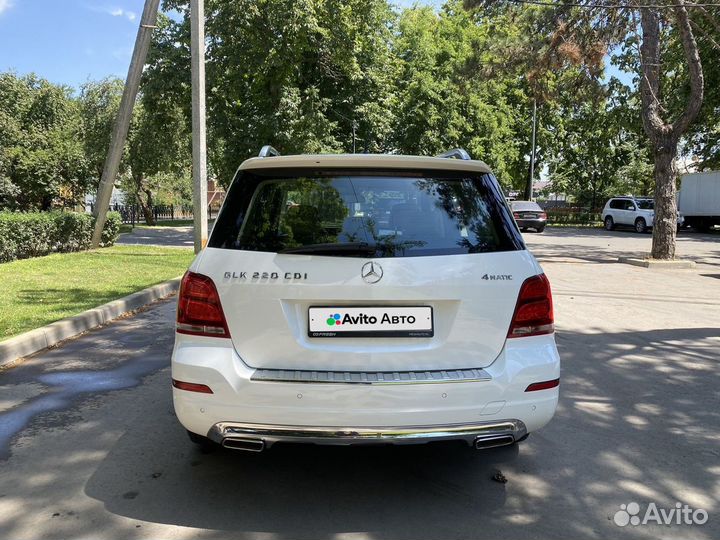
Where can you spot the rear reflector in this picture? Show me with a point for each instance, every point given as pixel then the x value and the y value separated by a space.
pixel 545 385
pixel 534 309
pixel 199 311
pixel 192 387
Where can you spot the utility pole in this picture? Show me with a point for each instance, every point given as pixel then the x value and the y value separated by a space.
pixel 529 188
pixel 354 127
pixel 122 123
pixel 199 130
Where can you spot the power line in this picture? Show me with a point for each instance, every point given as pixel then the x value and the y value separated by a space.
pixel 613 6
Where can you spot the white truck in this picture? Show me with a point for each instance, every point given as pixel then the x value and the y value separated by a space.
pixel 699 200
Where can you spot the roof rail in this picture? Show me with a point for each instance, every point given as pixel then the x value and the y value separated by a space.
pixel 268 151
pixel 456 153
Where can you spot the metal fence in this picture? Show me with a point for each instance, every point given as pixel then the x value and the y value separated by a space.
pixel 133 214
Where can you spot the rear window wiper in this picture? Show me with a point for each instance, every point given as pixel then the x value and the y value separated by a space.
pixel 330 247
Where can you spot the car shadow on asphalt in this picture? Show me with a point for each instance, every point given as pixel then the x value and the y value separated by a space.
pixel 637 421
pixel 298 491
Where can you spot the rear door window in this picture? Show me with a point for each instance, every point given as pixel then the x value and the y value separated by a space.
pixel 365 215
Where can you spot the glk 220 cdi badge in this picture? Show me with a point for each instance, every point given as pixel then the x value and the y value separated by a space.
pixel 353 299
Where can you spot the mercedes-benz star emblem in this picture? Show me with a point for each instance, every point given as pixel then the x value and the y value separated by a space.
pixel 371 272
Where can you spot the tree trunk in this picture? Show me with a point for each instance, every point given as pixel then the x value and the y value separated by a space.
pixel 147 207
pixel 665 222
pixel 663 134
pixel 145 204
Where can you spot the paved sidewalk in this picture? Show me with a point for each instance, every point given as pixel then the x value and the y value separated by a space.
pixel 158 236
pixel 565 244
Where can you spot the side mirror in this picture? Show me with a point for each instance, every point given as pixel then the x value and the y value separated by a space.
pixel 631 207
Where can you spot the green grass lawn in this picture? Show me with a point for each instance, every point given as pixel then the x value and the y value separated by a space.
pixel 45 289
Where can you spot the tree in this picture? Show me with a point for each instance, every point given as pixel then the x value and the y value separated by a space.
pixel 158 155
pixel 42 162
pixel 297 75
pixel 581 32
pixel 703 135
pixel 582 160
pixel 599 148
pixel 99 104
pixel 448 96
pixel 665 135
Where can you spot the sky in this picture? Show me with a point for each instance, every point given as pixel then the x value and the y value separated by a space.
pixel 73 41
pixel 68 41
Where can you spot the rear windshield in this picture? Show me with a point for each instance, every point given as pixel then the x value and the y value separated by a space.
pixel 365 214
pixel 525 205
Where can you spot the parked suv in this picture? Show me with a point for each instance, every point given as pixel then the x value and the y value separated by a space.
pixel 350 299
pixel 636 212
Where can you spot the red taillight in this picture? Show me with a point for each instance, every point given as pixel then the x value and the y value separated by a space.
pixel 192 387
pixel 543 215
pixel 199 311
pixel 516 215
pixel 545 385
pixel 534 310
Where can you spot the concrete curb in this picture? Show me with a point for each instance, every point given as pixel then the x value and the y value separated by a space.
pixel 50 335
pixel 677 264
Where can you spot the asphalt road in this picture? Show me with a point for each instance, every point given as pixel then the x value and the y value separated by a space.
pixel 89 447
pixel 158 236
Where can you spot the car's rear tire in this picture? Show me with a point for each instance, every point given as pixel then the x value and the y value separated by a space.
pixel 540 229
pixel 640 225
pixel 609 223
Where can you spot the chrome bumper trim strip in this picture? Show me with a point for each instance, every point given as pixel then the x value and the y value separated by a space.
pixel 371 377
pixel 270 434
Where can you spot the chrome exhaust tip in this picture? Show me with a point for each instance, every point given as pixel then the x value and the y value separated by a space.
pixel 249 445
pixel 492 441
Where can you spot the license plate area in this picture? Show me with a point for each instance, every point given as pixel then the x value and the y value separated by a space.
pixel 370 321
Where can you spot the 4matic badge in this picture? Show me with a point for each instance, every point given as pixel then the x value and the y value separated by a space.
pixel 497 277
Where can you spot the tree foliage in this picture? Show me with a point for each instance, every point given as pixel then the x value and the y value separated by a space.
pixel 333 76
pixel 667 55
pixel 42 161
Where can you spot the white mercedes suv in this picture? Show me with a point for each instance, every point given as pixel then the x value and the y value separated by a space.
pixel 348 299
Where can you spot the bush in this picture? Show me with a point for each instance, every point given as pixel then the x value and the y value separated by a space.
pixel 34 234
pixel 111 230
pixel 573 216
pixel 27 235
pixel 73 231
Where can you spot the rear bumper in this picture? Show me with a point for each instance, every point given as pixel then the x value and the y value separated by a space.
pixel 347 412
pixel 495 433
pixel 531 223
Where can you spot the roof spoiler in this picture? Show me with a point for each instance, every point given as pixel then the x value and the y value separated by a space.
pixel 268 151
pixel 456 153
